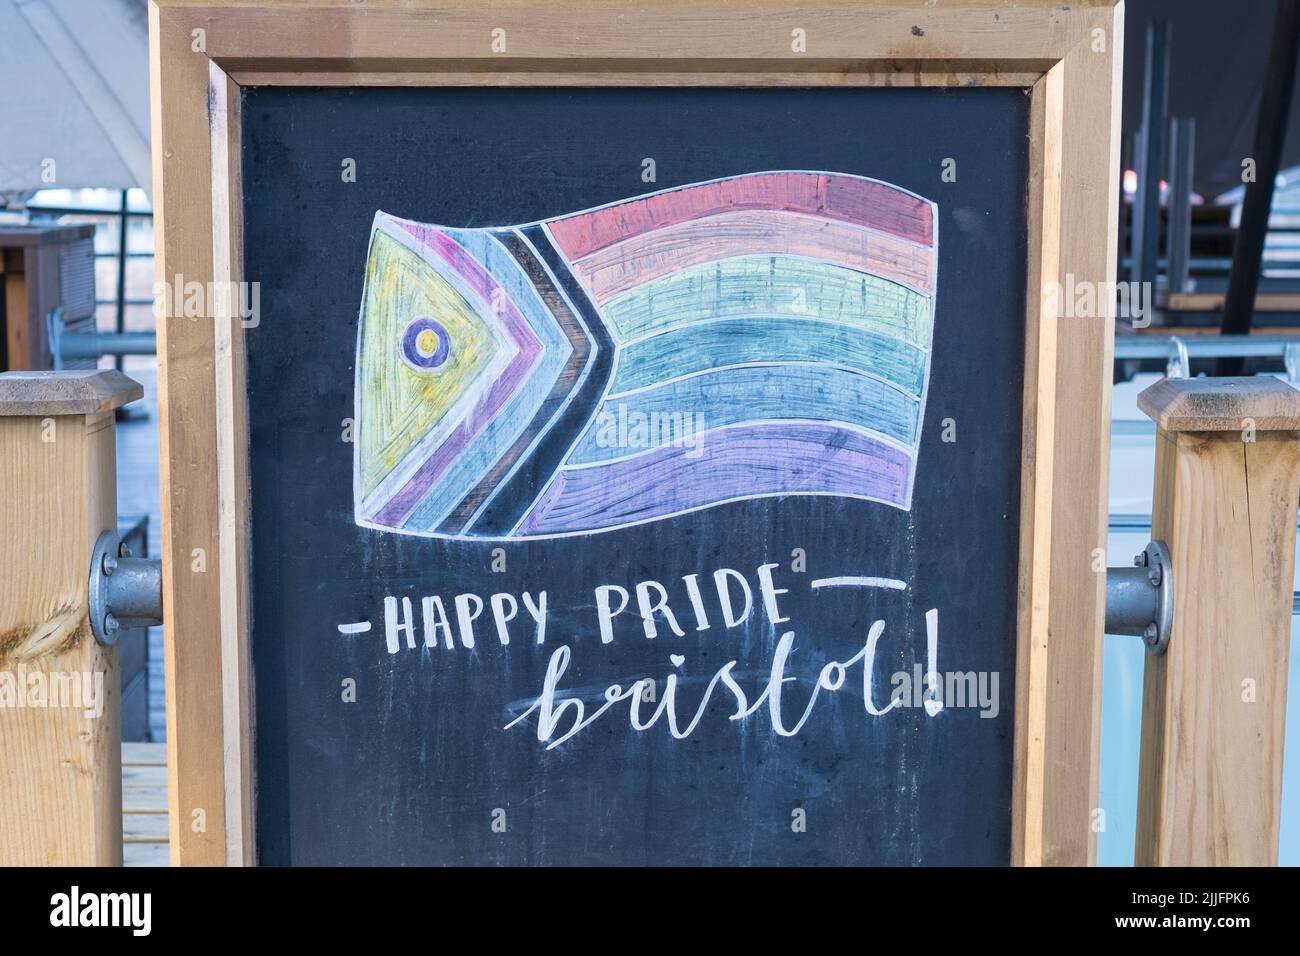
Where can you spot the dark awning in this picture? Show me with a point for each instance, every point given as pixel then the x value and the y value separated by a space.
pixel 1216 75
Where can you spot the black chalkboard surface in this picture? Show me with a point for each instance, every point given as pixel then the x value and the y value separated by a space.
pixel 453 492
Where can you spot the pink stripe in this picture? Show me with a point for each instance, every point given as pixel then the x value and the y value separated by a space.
pixel 530 347
pixel 641 259
pixel 875 205
pixel 478 279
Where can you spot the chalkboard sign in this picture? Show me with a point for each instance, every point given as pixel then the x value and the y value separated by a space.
pixel 633 480
pixel 631 435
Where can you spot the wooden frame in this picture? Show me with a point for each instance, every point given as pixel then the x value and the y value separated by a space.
pixel 1068 56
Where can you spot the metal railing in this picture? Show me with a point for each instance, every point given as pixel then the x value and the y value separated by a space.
pixel 1178 351
pixel 80 343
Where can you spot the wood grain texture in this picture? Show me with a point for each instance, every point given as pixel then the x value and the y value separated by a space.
pixel 31 289
pixel 73 392
pixel 184 227
pixel 60 776
pixel 1073 198
pixel 1213 302
pixel 421 37
pixel 1222 404
pixel 1214 705
pixel 1187 331
pixel 1073 233
pixel 13 272
pixel 232 476
pixel 1089 225
pixel 144 805
pixel 847 74
pixel 617 5
pixel 1038 431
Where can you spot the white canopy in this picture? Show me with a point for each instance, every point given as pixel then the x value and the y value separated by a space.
pixel 74 90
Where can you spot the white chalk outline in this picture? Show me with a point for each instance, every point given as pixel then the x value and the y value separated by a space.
pixel 363 521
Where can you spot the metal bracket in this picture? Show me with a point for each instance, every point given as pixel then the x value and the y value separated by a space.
pixel 1140 599
pixel 124 591
pixel 1178 364
pixel 1291 358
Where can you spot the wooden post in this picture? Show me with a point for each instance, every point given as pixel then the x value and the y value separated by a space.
pixel 1214 705
pixel 34 280
pixel 60 752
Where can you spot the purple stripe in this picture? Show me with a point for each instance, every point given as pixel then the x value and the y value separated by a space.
pixel 747 461
pixel 530 347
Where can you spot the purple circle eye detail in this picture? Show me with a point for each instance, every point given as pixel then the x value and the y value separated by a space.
pixel 425 344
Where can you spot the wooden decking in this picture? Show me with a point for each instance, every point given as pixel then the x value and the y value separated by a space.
pixel 144 805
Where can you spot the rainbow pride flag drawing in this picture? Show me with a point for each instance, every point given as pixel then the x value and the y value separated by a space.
pixel 758 336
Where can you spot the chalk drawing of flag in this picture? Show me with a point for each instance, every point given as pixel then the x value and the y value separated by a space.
pixel 764 335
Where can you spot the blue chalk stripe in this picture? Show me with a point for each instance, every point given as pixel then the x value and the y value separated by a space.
pixel 676 410
pixel 768 339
